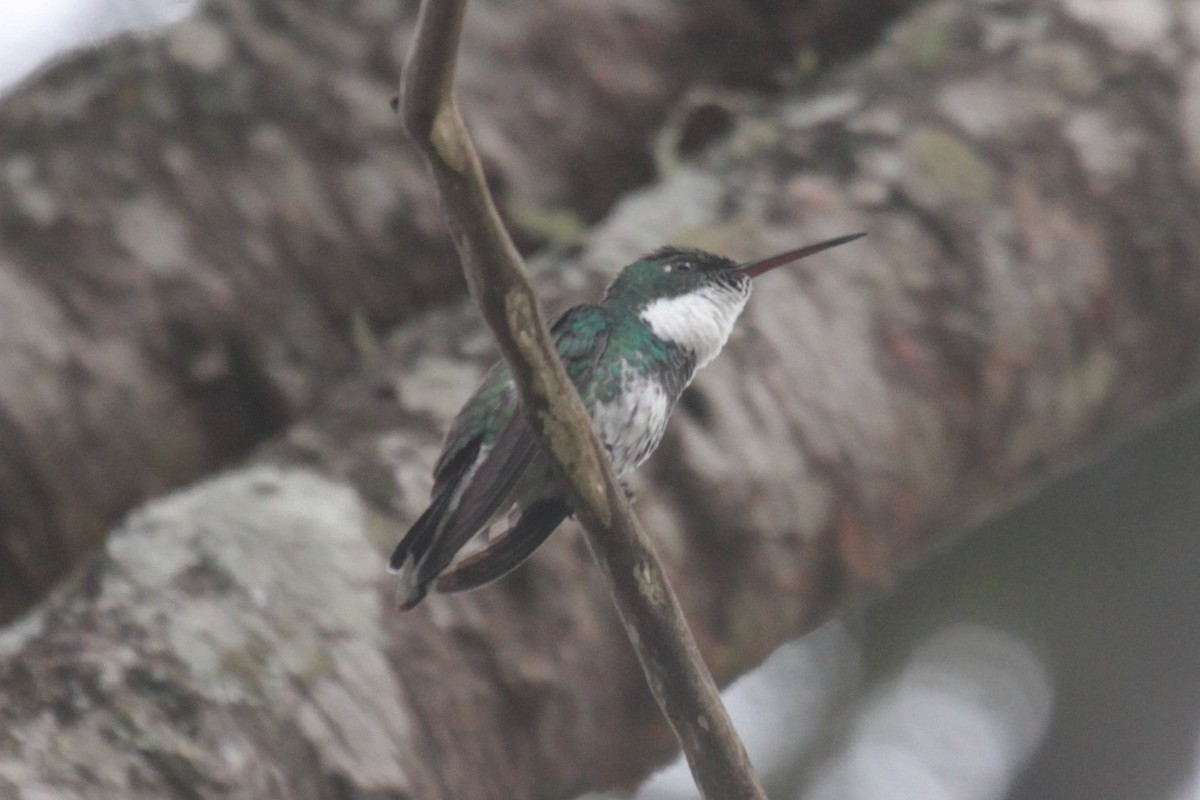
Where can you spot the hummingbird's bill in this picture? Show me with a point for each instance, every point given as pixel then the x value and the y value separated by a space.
pixel 754 268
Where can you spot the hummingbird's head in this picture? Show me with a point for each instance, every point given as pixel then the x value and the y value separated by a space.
pixel 671 272
pixel 692 298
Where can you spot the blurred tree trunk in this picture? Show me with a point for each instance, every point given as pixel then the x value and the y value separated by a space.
pixel 193 229
pixel 1026 172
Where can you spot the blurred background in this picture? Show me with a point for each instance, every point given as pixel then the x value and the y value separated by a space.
pixel 1046 654
pixel 194 255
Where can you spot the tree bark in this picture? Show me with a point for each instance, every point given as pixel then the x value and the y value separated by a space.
pixel 1027 174
pixel 198 233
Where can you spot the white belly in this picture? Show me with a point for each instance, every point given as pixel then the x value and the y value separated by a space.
pixel 632 425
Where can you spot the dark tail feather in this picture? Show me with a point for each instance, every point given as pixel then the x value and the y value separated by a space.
pixel 409 555
pixel 434 539
pixel 509 551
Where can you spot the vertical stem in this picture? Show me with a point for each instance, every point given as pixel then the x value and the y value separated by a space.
pixel 500 286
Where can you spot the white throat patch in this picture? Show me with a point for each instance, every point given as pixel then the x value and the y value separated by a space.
pixel 700 321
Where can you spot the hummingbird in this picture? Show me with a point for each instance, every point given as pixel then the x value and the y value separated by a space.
pixel 630 357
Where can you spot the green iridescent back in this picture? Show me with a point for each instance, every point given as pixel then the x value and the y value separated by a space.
pixel 598 346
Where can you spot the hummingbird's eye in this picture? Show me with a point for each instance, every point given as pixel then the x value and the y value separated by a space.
pixel 685 266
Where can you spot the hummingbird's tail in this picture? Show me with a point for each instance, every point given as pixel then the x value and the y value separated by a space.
pixel 409 557
pixel 504 554
pixel 468 496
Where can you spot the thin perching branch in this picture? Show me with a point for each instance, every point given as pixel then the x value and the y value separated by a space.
pixel 500 286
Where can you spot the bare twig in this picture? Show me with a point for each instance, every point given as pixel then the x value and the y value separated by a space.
pixel 500 286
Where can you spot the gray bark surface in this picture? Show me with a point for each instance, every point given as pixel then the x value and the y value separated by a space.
pixel 1027 175
pixel 199 232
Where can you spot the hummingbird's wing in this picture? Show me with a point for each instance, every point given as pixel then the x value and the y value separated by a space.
pixel 478 424
pixel 483 491
pixel 466 501
pixel 580 336
pixel 422 552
